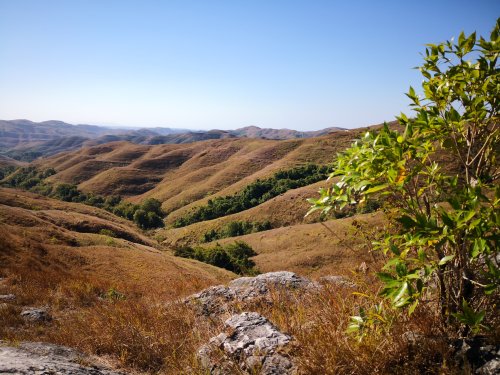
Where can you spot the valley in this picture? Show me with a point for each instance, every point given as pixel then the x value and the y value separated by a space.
pixel 107 246
pixel 67 250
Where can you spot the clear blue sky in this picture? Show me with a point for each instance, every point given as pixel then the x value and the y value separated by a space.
pixel 204 64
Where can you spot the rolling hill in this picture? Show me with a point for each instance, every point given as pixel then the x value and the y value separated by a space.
pixel 41 235
pixel 27 140
pixel 185 177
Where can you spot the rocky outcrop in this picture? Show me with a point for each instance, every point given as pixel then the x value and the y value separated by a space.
pixel 337 280
pixel 7 297
pixel 36 315
pixel 43 358
pixel 251 345
pixel 215 300
pixel 484 358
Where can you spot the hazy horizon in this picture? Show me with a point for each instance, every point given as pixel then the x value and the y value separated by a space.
pixel 221 65
pixel 134 127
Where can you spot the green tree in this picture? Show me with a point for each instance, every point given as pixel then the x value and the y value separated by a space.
pixel 67 192
pixel 148 215
pixel 152 205
pixel 446 241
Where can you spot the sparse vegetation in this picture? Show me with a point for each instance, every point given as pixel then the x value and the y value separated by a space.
pixel 112 292
pixel 236 228
pixel 256 193
pixel 234 257
pixel 444 248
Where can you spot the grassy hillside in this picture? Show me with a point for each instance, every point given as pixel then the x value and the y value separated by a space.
pixel 39 235
pixel 315 249
pixel 184 177
pixel 114 290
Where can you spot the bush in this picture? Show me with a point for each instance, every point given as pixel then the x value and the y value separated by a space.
pixel 234 257
pixel 236 228
pixel 5 171
pixel 67 193
pixel 445 248
pixel 149 214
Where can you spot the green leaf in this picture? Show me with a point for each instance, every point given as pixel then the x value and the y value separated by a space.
pixel 376 188
pixel 412 307
pixel 400 294
pixel 406 221
pixel 385 277
pixel 446 259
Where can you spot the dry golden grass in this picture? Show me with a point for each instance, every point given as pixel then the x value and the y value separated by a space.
pixel 334 247
pixel 145 333
pixel 107 295
pixel 120 296
pixel 318 322
pixel 49 235
pixel 284 210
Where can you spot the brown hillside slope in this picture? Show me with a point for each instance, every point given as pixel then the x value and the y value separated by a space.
pixel 5 161
pixel 335 247
pixel 179 175
pixel 313 150
pixel 42 236
pixel 284 210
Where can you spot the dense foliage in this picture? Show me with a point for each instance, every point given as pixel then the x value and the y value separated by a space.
pixel 444 249
pixel 256 193
pixel 236 228
pixel 234 257
pixel 6 170
pixel 147 215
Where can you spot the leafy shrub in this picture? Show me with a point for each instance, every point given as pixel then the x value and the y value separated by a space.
pixel 5 171
pixel 256 193
pixel 445 248
pixel 236 228
pixel 67 193
pixel 149 214
pixel 234 257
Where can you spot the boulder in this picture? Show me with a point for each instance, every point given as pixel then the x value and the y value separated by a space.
pixel 7 297
pixel 251 345
pixel 340 281
pixel 36 315
pixel 482 357
pixel 42 358
pixel 215 300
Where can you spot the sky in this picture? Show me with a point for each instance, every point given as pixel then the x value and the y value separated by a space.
pixel 206 64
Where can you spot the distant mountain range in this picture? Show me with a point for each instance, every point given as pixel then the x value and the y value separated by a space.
pixel 27 140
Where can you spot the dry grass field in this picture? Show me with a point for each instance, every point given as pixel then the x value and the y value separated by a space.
pixel 50 236
pixel 113 293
